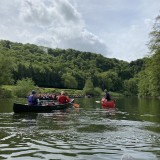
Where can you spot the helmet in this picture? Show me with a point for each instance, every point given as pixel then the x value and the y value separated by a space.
pixel 33 92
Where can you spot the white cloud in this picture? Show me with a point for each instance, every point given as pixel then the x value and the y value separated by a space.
pixel 117 29
pixel 129 44
pixel 36 13
pixel 49 23
pixel 123 25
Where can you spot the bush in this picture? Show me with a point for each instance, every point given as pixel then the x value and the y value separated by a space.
pixel 97 91
pixel 4 93
pixel 88 88
pixel 24 86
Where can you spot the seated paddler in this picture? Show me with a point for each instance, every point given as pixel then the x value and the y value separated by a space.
pixel 107 95
pixel 62 99
pixel 32 99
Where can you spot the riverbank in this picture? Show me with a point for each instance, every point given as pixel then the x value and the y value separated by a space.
pixel 7 91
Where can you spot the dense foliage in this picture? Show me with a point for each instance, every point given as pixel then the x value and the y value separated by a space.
pixel 5 70
pixel 24 87
pixel 149 79
pixel 69 68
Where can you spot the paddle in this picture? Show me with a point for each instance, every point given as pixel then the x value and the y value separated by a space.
pixel 76 105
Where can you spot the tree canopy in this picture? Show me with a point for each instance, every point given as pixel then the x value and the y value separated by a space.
pixel 149 78
pixel 60 68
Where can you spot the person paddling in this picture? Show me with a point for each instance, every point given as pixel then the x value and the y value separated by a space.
pixel 107 95
pixel 63 98
pixel 32 99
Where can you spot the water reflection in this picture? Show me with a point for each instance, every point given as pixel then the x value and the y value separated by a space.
pixel 27 116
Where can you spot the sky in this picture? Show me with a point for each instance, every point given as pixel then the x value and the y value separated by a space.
pixel 114 28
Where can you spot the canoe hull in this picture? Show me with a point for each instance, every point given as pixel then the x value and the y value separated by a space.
pixel 108 104
pixel 19 108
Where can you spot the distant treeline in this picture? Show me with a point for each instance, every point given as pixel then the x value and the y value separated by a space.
pixel 60 68
pixel 67 68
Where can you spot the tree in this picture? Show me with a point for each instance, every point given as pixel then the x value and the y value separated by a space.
pixel 88 88
pixel 154 44
pixel 24 86
pixel 110 80
pixel 150 82
pixel 69 81
pixel 130 86
pixel 5 70
pixel 144 83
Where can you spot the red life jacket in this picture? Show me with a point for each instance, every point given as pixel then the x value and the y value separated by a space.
pixel 63 99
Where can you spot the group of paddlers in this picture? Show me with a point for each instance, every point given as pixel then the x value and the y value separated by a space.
pixel 53 96
pixel 34 98
pixel 44 96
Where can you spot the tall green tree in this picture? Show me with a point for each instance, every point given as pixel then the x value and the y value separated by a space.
pixel 110 80
pixel 144 83
pixel 88 88
pixel 130 86
pixel 69 81
pixel 149 83
pixel 5 70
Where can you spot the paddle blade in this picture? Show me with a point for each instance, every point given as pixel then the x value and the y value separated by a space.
pixel 76 105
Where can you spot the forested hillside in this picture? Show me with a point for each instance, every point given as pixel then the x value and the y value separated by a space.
pixel 68 68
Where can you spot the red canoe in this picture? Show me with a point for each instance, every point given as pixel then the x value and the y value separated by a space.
pixel 108 104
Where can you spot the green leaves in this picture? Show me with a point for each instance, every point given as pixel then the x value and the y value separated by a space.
pixel 88 88
pixel 24 87
pixel 149 79
pixel 69 81
pixel 62 68
pixel 5 70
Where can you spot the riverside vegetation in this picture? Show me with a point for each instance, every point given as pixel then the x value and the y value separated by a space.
pixel 28 66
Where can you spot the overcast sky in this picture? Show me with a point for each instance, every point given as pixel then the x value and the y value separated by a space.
pixel 114 28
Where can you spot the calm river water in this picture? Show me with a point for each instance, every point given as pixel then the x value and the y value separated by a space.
pixel 131 131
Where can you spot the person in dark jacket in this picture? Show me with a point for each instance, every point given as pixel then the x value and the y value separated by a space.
pixel 107 95
pixel 32 99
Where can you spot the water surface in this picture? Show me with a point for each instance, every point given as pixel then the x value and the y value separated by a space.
pixel 132 131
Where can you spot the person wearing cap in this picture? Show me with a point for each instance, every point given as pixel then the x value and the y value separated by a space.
pixel 107 95
pixel 32 99
pixel 63 98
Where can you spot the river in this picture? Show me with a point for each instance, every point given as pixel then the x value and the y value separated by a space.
pixel 131 131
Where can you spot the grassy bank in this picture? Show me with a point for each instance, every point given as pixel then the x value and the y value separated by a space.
pixel 9 91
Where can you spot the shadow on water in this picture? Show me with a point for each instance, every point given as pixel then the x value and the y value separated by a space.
pixel 6 105
pixel 27 116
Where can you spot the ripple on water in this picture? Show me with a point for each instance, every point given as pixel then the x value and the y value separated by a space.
pixel 85 135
